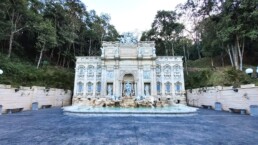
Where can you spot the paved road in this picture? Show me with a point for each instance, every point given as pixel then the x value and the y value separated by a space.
pixel 51 127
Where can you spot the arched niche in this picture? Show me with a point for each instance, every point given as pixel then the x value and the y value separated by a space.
pixel 128 77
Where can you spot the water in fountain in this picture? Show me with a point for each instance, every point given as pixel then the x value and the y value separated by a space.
pixel 127 105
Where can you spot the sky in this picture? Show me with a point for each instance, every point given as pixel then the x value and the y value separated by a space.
pixel 131 15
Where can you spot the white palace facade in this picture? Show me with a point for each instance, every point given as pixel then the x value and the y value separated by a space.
pixel 130 69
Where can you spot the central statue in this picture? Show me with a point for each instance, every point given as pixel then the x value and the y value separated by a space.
pixel 128 89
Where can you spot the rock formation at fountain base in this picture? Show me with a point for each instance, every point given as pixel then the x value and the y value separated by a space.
pixel 125 102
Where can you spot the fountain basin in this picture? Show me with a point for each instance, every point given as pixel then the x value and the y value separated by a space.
pixel 175 110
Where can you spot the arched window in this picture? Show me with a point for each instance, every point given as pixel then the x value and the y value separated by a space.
pixel 80 87
pixel 168 87
pixel 90 87
pixel 178 86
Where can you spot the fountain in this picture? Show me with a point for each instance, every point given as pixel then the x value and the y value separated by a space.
pixel 129 78
pixel 127 106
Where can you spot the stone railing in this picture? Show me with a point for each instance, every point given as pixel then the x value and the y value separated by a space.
pixel 228 97
pixel 24 97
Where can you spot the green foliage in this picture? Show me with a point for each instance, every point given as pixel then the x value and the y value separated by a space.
pixel 62 29
pixel 165 32
pixel 236 77
pixel 20 73
pixel 200 63
pixel 221 77
pixel 197 79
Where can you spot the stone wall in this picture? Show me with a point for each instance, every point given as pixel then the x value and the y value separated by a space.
pixel 23 97
pixel 229 97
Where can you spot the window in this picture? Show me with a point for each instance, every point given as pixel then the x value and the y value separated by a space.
pixel 80 87
pixel 90 87
pixel 178 87
pixel 168 87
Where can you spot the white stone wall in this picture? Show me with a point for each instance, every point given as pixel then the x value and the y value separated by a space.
pixel 140 60
pixel 24 97
pixel 242 99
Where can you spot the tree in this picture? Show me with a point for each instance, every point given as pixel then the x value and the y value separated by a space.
pixel 77 31
pixel 165 30
pixel 46 38
pixel 227 25
pixel 14 18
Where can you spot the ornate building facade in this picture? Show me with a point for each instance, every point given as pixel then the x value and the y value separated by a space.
pixel 130 69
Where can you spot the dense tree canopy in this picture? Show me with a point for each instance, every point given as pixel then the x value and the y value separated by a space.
pixel 165 32
pixel 53 31
pixel 226 26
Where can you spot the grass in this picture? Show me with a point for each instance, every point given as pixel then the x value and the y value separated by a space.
pixel 201 74
pixel 22 73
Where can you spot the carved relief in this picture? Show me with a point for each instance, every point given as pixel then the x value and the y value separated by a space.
pixel 167 71
pixel 90 72
pixel 146 74
pixel 110 74
pixel 99 71
pixel 81 71
pixel 158 69
pixel 177 75
pixel 176 68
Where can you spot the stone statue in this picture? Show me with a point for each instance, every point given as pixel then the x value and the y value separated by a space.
pixel 128 38
pixel 146 74
pixel 109 90
pixel 147 91
pixel 128 89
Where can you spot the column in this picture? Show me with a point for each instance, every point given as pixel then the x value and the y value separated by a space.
pixel 116 81
pixel 136 91
pixel 95 81
pixel 85 79
pixel 75 82
pixel 163 86
pixel 121 88
pixel 103 81
pixel 153 82
pixel 141 83
pixel 182 80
